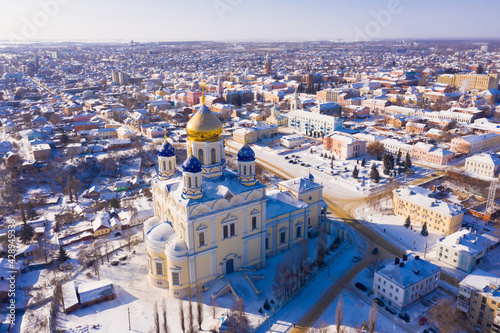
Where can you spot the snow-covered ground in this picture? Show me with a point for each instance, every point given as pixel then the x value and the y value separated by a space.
pixel 320 168
pixel 392 228
pixel 135 294
pixel 357 307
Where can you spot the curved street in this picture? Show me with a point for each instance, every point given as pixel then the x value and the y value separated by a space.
pixel 343 209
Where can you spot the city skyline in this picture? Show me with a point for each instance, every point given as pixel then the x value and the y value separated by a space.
pixel 238 20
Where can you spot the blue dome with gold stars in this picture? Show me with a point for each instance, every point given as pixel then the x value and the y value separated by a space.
pixel 166 150
pixel 246 154
pixel 192 164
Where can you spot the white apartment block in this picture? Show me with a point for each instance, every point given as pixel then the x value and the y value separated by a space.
pixel 484 164
pixel 463 249
pixel 403 282
pixel 303 121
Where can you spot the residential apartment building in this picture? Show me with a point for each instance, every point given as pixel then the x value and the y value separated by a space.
pixel 344 146
pixel 429 153
pixel 404 282
pixel 478 297
pixel 419 204
pixel 484 164
pixel 463 249
pixel 304 121
pixel 471 144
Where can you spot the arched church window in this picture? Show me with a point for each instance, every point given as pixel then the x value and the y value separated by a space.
pixel 245 170
pixel 189 181
pixel 213 156
pixel 170 165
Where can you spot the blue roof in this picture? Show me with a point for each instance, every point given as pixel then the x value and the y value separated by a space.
pixel 246 154
pixel 192 164
pixel 166 150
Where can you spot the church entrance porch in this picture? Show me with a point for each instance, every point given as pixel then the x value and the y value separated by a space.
pixel 229 266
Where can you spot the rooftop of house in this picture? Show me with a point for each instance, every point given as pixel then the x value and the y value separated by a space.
pixel 408 272
pixel 423 197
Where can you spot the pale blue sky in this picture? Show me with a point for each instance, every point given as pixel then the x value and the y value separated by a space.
pixel 166 20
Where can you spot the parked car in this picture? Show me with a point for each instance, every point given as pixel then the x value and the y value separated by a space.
pixel 404 316
pixel 422 320
pixel 361 286
pixel 390 310
pixel 379 302
pixel 356 258
pixel 375 250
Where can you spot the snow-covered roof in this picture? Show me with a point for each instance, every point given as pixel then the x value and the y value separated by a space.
pixel 90 291
pixel 413 271
pixel 484 282
pixel 485 158
pixel 300 184
pixel 281 202
pixel 465 240
pixel 423 198
pixel 69 295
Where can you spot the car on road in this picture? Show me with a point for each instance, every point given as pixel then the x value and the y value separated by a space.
pixel 404 316
pixel 390 310
pixel 379 302
pixel 375 250
pixel 302 164
pixel 422 320
pixel 290 161
pixel 356 258
pixel 360 286
pixel 430 330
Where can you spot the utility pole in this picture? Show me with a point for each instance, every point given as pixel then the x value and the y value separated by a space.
pixel 128 311
pixel 425 250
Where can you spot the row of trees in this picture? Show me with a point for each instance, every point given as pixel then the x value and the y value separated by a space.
pixel 444 314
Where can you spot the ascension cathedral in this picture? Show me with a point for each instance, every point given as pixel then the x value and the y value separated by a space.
pixel 211 221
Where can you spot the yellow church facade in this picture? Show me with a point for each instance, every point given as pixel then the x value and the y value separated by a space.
pixel 211 221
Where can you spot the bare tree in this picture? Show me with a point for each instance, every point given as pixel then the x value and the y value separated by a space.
pixel 213 308
pixel 199 306
pixel 165 323
pixel 445 314
pixel 238 320
pixel 190 312
pixel 372 319
pixel 182 316
pixel 322 327
pixel 339 314
pixel 156 319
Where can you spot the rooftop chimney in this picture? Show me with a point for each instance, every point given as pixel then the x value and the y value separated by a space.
pixel 396 261
pixel 401 264
pixel 417 258
pixel 405 257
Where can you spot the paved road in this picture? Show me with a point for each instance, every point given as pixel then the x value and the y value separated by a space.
pixel 343 209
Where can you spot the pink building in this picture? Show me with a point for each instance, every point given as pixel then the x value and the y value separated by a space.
pixel 193 97
pixel 427 152
pixel 344 146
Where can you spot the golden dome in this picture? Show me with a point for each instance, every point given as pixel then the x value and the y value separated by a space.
pixel 160 92
pixel 204 126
